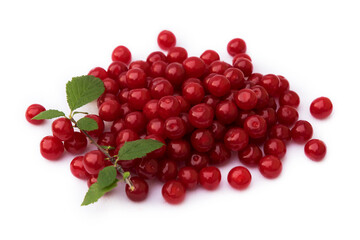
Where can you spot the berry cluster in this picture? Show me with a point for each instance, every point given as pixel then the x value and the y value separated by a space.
pixel 201 108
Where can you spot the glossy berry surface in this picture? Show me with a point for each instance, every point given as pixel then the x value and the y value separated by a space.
pixel 135 120
pixel 176 54
pixel 239 178
pixel 32 111
pixel 219 154
pixel 98 72
pixel 226 112
pixel 51 148
pixel 236 139
pixel 209 56
pixel 178 149
pixel 160 87
pixel 302 131
pixel 77 168
pixel 100 123
pixel 244 65
pixel 110 111
pixel 147 168
pixel 201 115
pixel 168 106
pixel 321 107
pixel 173 192
pixel 271 83
pixel 76 144
pixel 270 166
pixel 62 129
pixel 188 176
pixel 275 147
pixel 194 67
pixel 255 126
pixel 202 140
pixel 138 98
pixel 166 40
pixel 140 191
pixel 136 78
pixel 174 128
pixel 290 98
pixel 193 93
pixel 287 115
pixel 235 46
pixel 250 155
pixel 245 99
pixel 209 177
pixel 175 73
pixel 160 152
pixel 198 160
pixel 126 135
pixel 219 86
pixel 167 170
pixel 281 132
pixel 156 126
pixel 122 54
pixel 94 161
pixel 236 78
pixel 315 149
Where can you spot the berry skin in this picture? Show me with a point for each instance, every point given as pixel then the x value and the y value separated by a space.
pixel 122 96
pixel 76 144
pixel 100 123
pixel 290 98
pixel 32 111
pixel 270 166
pixel 150 109
pixel 51 148
pixel 193 93
pixel 107 139
pixel 168 106
pixel 166 40
pixel 218 67
pixel 240 55
pixel 173 192
pixel 147 168
pixel 111 86
pixel 167 170
pixel 315 149
pixel 250 155
pixel 209 56
pixel 136 78
pixel 156 126
pixel 218 130
pixel 157 69
pixel 116 68
pixel 209 178
pixel 226 112
pixel 219 86
pixel 235 46
pixel 136 121
pixel 138 98
pixel 94 162
pixel 202 140
pixel 98 72
pixel 77 168
pixel 175 128
pixel 219 154
pixel 158 153
pixel 275 147
pixel 194 67
pixel 156 56
pixel 281 132
pixel 269 115
pixel 175 73
pixel 271 83
pixel 255 126
pixel 244 65
pixel 122 54
pixel 141 65
pixel 178 150
pixel 109 96
pixel 239 178
pixel 255 78
pixel 188 176
pixel 198 161
pixel 140 191
pixel 176 54
pixel 321 107
pixel 211 101
pixel 126 135
pixel 184 105
pixel 110 110
pixel 160 87
pixel 243 115
pixel 236 78
pixel 201 115
pixel 62 129
pixel 236 139
pixel 287 115
pixel 92 179
pixel 302 131
pixel 262 96
pixel 245 99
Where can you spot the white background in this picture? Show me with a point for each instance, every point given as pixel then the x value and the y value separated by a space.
pixel 315 44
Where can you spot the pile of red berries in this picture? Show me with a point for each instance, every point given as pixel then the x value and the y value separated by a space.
pixel 202 108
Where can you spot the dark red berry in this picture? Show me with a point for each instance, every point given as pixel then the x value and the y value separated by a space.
pixel 198 160
pixel 218 67
pixel 240 55
pixel 193 93
pixel 302 131
pixel 283 85
pixel 244 65
pixel 62 129
pixel 262 96
pixel 100 123
pixel 173 192
pixel 126 135
pixel 176 54
pixel 175 128
pixel 219 153
pixel 141 65
pixel 315 149
pixel 236 78
pixel 219 85
pixel 111 86
pixel 107 139
pixel 178 150
pixel 218 130
pixel 245 99
pixel 211 101
pixel 51 148
pixel 94 162
pixel 168 107
pixel 158 153
pixel 281 132
pixel 167 170
pixel 270 166
pixel 209 178
pixel 202 140
pixel 235 46
pixel 269 115
pixel 136 121
pixel 271 83
pixel 255 78
pixel 188 176
pixel 147 168
pixel 275 147
pixel 239 178
pixel 255 126
pixel 289 98
pixel 184 104
pixel 236 139
pixel 115 69
pixel 136 78
pixel 157 69
pixel 150 109
pixel 32 111
pixel 122 54
pixel 98 72
pixel 77 168
pixel 160 87
pixel 194 67
pixel 287 115
pixel 226 112
pixel 175 73
pixel 138 98
pixel 76 144
pixel 209 56
pixel 140 191
pixel 201 115
pixel 321 107
pixel 250 155
pixel 156 126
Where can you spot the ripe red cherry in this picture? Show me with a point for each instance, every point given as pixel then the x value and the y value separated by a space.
pixel 156 126
pixel 269 115
pixel 94 162
pixel 140 191
pixel 110 110
pixel 51 148
pixel 107 139
pixel 156 56
pixel 236 139
pixel 62 129
pixel 235 46
pixel 121 80
pixel 173 192
pixel 136 78
pixel 168 107
pixel 193 93
pixel 262 96
pixel 111 86
pixel 209 56
pixel 77 168
pixel 250 155
pixel 218 67
pixel 157 69
pixel 244 65
pixel 76 144
pixel 315 149
pixel 239 178
pixel 302 131
pixel 123 96
pixel 289 98
pixel 136 121
pixel 166 40
pixel 209 177
pixel 275 147
pixel 141 65
pixel 126 135
pixel 32 111
pixel 167 170
pixel 175 128
pixel 218 130
pixel 219 86
pixel 201 115
pixel 287 115
pixel 150 109
pixel 271 83
pixel 272 103
pixel 242 117
pixel 184 105
pixel 109 96
pixel 194 67
pixel 158 153
pixel 240 55
pixel 236 78
pixel 185 117
pixel 255 126
pixel 321 107
pixel 178 150
pixel 202 140
pixel 92 179
pixel 270 166
pixel 100 123
pixel 122 54
pixel 281 132
pixel 245 99
pixel 219 154
pixel 115 69
pixel 98 72
pixel 138 98
pixel 198 161
pixel 226 112
pixel 147 168
pixel 255 78
pixel 160 87
pixel 176 54
pixel 125 109
pixel 175 73
pixel 211 101
pixel 188 176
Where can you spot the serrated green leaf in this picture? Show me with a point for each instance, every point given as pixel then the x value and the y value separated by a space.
pixel 49 114
pixel 138 149
pixel 87 124
pixel 95 192
pixel 82 90
pixel 106 176
pixel 126 175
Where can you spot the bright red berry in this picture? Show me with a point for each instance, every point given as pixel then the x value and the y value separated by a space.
pixel 287 115
pixel 202 140
pixel 271 83
pixel 245 99
pixel 193 93
pixel 194 67
pixel 236 139
pixel 94 161
pixel 147 168
pixel 92 179
pixel 198 161
pixel 100 123
pixel 226 112
pixel 51 148
pixel 167 170
pixel 110 110
pixel 168 106
pixel 281 132
pixel 219 154
pixel 210 177
pixel 138 98
pixel 175 128
pixel 188 176
pixel 122 54
pixel 135 120
pixel 315 149
pixel 166 40
pixel 270 166
pixel 173 192
pixel 275 147
pixel 76 144
pixel 150 109
pixel 178 149
pixel 321 107
pixel 126 135
pixel 219 85
pixel 140 191
pixel 107 139
pixel 235 46
pixel 209 56
pixel 77 168
pixel 236 78
pixel 111 86
pixel 156 126
pixel 160 87
pixel 98 72
pixel 239 178
pixel 201 115
pixel 176 54
pixel 289 98
pixel 115 69
pixel 175 73
pixel 250 155
pixel 32 111
pixel 255 126
pixel 136 78
pixel 156 56
pixel 244 65
pixel 62 129
pixel 302 131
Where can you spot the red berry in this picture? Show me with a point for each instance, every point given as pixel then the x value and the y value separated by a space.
pixel 244 65
pixel 245 99
pixel 32 111
pixel 158 153
pixel 236 78
pixel 315 149
pixel 140 191
pixel 194 67
pixel 184 105
pixel 138 98
pixel 98 72
pixel 302 131
pixel 109 96
pixel 178 150
pixel 209 56
pixel 100 123
pixel 209 177
pixel 242 117
pixel 193 93
pixel 94 162
pixel 218 67
pixel 156 56
pixel 147 168
pixel 175 128
pixel 157 69
pixel 136 78
pixel 283 84
pixel 110 110
pixel 271 83
pixel 173 192
pixel 141 65
pixel 219 86
pixel 168 107
pixel 121 80
pixel 250 155
pixel 111 86
pixel 235 46
pixel 160 87
pixel 270 166
pixel 202 140
pixel 123 95
pixel 287 115
pixel 211 101
pixel 198 161
pixel 218 130
pixel 219 154
pixel 92 179
pixel 321 107
pixel 188 176
pixel 122 54
pixel 255 126
pixel 136 121
pixel 107 139
pixel 289 98
pixel 201 115
pixel 115 69
pixel 176 54
pixel 240 55
pixel 275 147
pixel 269 115
pixel 236 139
pixel 150 109
pixel 226 112
pixel 167 170
pixel 239 178
pixel 175 73
pixel 166 40
pixel 281 132
pixel 77 168
pixel 76 144
pixel 126 135
pixel 156 126
pixel 262 96
pixel 62 129
pixel 51 148
pixel 255 78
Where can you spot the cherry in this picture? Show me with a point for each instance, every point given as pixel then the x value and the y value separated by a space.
pixel 122 54
pixel 255 78
pixel 111 86
pixel 167 170
pixel 289 98
pixel 262 96
pixel 51 148
pixel 175 128
pixel 244 65
pixel 156 126
pixel 173 192
pixel 242 117
pixel 250 155
pixel 255 126
pixel 140 191
pixel 92 179
pixel 188 176
pixel 202 140
pixel 106 97
pixel 240 55
pixel 141 65
pixel 135 120
pixel 126 135
pixel 275 147
pixel 128 165
pixel 236 139
pixel 125 109
pixel 272 103
pixel 185 117
pixel 287 115
pixel 245 99
pixel 77 168
pixel 269 115
pixel 166 40
pixel 176 54
pixel 110 110
pixel 236 78
pixel 193 93
pixel 156 56
pixel 226 112
pixel 175 73
pixel 201 115
pixel 218 67
pixel 270 166
pixel 194 67
pixel 168 107
pixel 235 46
pixel 271 83
pixel 136 78
pixel 211 101
pixel 107 139
pixel 98 72
pixel 219 153
pixel 158 153
pixel 210 177
pixel 283 84
pixel 160 87
pixel 32 111
pixel 121 80
pixel 157 69
pixel 76 144
pixel 302 131
pixel 281 132
pixel 191 80
pixel 209 56
pixel 138 98
pixel 147 168
pixel 198 160
pixel 178 150
pixel 150 109
pixel 184 105
pixel 239 178
pixel 115 69
pixel 62 129
pixel 100 123
pixel 219 85
pixel 94 162
pixel 218 130
pixel 123 95
pixel 315 149
pixel 321 107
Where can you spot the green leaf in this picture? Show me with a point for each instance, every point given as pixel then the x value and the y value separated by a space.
pixel 137 149
pixel 126 175
pixel 49 114
pixel 106 176
pixel 87 124
pixel 95 192
pixel 82 90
